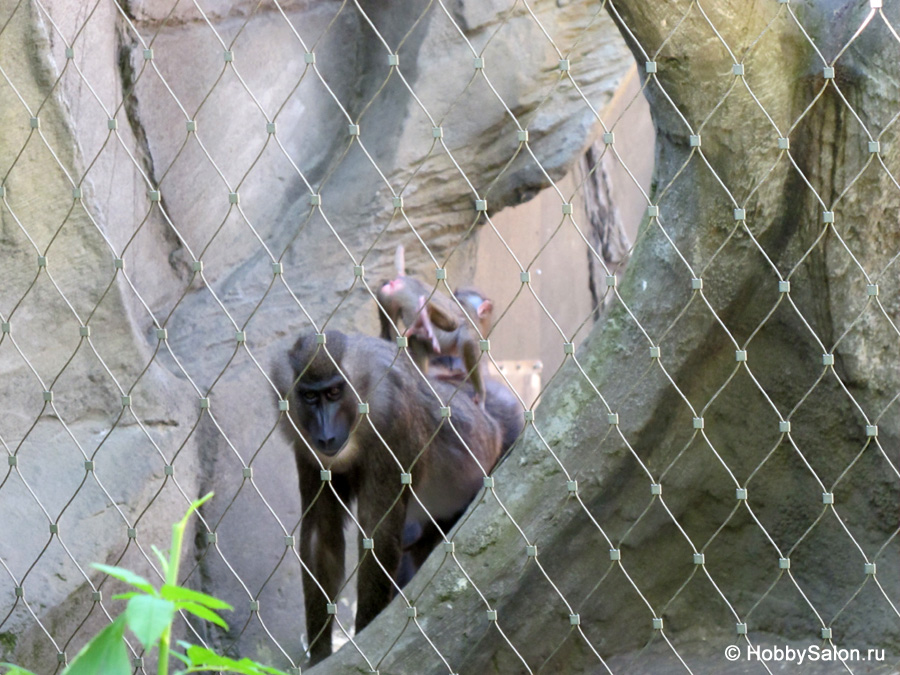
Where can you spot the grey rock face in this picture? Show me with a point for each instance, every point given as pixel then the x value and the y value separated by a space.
pixel 196 137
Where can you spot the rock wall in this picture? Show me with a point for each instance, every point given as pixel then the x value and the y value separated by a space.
pixel 157 161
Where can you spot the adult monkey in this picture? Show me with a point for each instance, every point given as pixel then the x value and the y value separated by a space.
pixel 414 447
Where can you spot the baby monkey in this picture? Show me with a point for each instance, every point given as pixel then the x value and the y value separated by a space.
pixel 434 324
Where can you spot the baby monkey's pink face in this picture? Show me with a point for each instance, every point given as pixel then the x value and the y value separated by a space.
pixel 393 285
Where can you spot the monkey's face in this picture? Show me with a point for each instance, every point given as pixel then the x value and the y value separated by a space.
pixel 326 414
pixel 393 286
pixel 390 294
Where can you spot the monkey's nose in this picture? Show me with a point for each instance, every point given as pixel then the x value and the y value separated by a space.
pixel 328 445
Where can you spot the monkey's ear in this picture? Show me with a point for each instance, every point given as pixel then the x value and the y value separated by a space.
pixel 485 308
pixel 442 318
pixel 299 355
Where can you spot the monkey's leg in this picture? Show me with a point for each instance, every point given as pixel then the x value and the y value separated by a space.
pixel 420 352
pixel 425 544
pixel 322 551
pixel 469 353
pixel 385 527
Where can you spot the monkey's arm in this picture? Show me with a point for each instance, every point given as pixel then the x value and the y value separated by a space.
pixel 469 352
pixel 422 327
pixel 322 551
pixel 385 314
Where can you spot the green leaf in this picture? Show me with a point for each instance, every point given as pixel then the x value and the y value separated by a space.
pixel 205 658
pixel 163 561
pixel 15 670
pixel 201 656
pixel 125 596
pixel 105 653
pixel 178 593
pixel 128 577
pixel 148 617
pixel 203 613
pixel 196 504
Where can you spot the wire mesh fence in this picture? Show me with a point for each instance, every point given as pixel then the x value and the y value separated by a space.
pixel 707 461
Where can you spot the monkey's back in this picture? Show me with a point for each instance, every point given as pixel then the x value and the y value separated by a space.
pixel 447 457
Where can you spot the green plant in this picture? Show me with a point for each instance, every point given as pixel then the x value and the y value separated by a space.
pixel 149 615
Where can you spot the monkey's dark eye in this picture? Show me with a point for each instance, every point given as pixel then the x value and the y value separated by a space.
pixel 310 397
pixel 334 393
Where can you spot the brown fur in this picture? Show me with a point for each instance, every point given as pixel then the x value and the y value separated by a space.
pixel 406 414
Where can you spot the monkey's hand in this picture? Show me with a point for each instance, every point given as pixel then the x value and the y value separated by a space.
pixel 422 327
